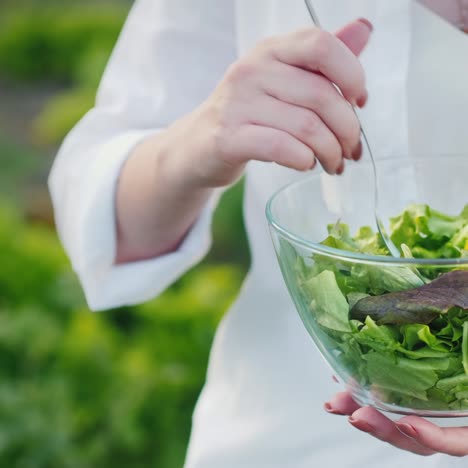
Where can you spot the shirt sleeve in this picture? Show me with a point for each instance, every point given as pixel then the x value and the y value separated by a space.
pixel 168 59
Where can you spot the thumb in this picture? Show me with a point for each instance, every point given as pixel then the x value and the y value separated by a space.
pixel 356 35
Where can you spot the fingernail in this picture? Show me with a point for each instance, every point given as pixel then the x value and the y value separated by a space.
pixel 361 425
pixel 367 23
pixel 341 168
pixel 335 379
pixel 329 409
pixel 357 153
pixel 362 101
pixel 407 430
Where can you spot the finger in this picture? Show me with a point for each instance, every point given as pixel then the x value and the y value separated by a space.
pixel 376 424
pixel 304 125
pixel 354 36
pixel 318 94
pixel 272 145
pixel 449 440
pixel 356 39
pixel 320 51
pixel 342 403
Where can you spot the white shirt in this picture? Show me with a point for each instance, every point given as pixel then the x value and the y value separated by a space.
pixel 262 402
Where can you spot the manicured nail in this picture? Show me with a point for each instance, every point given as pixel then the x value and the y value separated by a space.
pixel 357 153
pixel 329 409
pixel 363 426
pixel 407 430
pixel 367 23
pixel 340 170
pixel 335 379
pixel 362 101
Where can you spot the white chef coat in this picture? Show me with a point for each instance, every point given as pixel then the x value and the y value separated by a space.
pixel 266 384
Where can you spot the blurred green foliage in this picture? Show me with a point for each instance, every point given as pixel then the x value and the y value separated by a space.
pixel 17 165
pixel 60 114
pixel 115 389
pixel 68 45
pixel 230 240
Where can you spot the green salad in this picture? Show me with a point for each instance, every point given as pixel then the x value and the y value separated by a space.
pixel 400 331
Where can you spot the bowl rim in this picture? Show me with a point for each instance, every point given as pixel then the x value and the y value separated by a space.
pixel 359 257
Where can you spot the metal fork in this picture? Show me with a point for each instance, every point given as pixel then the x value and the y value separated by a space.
pixel 393 249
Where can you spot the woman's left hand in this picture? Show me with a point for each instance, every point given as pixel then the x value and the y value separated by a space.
pixel 409 433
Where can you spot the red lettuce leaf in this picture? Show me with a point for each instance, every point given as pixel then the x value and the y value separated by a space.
pixel 418 305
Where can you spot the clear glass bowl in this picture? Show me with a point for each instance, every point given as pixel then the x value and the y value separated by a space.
pixel 298 216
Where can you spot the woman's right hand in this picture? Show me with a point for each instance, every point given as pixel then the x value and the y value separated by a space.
pixel 279 104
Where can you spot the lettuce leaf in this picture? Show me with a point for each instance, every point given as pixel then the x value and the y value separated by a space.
pixel 363 278
pixel 418 305
pixel 328 303
pixel 420 225
pixel 400 375
pixel 465 347
pixel 416 335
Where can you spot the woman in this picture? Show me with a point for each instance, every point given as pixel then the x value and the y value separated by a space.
pixel 178 117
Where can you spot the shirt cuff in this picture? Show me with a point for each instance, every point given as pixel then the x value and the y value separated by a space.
pixel 107 285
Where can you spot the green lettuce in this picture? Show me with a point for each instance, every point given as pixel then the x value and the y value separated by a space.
pixel 328 302
pixel 402 376
pixel 418 363
pixel 421 226
pixel 465 347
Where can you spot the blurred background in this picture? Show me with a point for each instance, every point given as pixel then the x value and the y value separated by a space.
pixel 78 389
